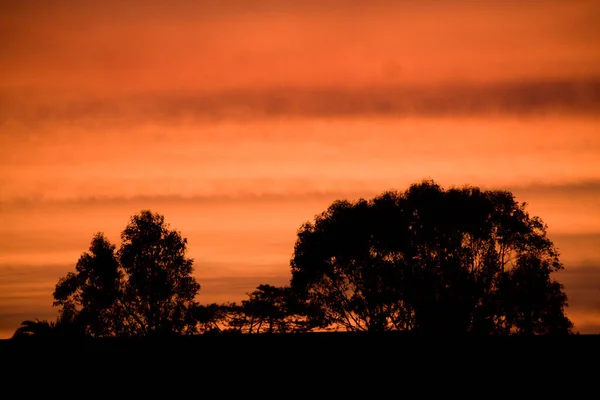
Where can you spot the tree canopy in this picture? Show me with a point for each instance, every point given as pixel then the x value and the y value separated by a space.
pixel 426 260
pixel 431 260
pixel 144 288
pixel 89 296
pixel 268 309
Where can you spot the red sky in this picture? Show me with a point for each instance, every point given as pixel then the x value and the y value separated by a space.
pixel 241 120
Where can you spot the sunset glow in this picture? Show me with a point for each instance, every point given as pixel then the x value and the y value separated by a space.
pixel 241 120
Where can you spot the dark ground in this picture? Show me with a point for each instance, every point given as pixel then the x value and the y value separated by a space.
pixel 302 344
pixel 310 365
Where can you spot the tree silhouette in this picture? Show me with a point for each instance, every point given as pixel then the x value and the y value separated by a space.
pixel 64 327
pixel 213 318
pixel 159 291
pixel 144 288
pixel 88 297
pixel 431 260
pixel 268 309
pixel 35 328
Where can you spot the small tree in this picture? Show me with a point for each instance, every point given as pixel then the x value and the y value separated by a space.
pixel 268 309
pixel 213 318
pixel 144 288
pixel 89 296
pixel 160 290
pixel 37 329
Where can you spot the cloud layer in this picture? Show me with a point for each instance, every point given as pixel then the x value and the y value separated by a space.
pixel 526 98
pixel 116 47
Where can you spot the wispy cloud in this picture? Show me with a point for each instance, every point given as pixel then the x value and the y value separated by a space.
pixel 234 159
pixel 525 98
pixel 582 285
pixel 588 189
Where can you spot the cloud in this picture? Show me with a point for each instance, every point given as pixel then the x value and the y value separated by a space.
pixel 582 284
pixel 114 46
pixel 588 329
pixel 584 187
pixel 578 250
pixel 262 192
pixel 245 197
pixel 520 98
pixel 511 98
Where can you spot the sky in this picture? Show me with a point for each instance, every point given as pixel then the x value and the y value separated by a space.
pixel 241 120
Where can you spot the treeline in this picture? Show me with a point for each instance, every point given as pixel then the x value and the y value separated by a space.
pixel 426 260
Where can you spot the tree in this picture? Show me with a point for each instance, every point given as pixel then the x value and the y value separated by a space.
pixel 62 328
pixel 35 328
pixel 213 318
pixel 433 261
pixel 270 309
pixel 88 297
pixel 160 290
pixel 144 288
pixel 265 310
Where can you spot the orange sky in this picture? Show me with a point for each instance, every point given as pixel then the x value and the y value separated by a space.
pixel 240 120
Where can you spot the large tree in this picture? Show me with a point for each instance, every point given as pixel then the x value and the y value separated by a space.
pixel 144 288
pixel 431 260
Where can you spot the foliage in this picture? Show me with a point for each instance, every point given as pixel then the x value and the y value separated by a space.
pixel 431 260
pixel 144 288
pixel 268 309
pixel 426 260
pixel 88 297
pixel 35 328
pixel 159 291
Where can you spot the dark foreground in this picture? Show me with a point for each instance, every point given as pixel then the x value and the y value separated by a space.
pixel 301 344
pixel 303 366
